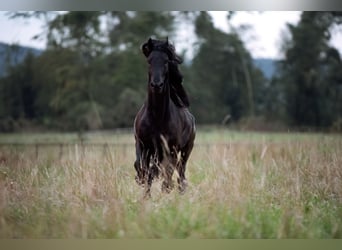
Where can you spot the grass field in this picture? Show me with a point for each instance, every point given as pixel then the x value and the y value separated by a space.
pixel 241 185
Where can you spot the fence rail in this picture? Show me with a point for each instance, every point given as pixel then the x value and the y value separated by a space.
pixel 8 144
pixel 55 144
pixel 38 146
pixel 62 148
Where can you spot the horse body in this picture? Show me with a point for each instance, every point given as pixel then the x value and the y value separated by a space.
pixel 164 128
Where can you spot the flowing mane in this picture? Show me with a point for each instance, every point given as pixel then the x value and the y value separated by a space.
pixel 177 92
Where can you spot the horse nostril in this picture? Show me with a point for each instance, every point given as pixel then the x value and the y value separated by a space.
pixel 157 84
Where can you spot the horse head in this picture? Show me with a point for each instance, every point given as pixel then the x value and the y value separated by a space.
pixel 164 61
pixel 157 56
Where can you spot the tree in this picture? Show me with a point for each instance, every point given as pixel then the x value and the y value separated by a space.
pixel 93 74
pixel 310 72
pixel 222 73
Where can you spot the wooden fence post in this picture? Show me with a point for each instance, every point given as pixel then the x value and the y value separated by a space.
pixel 60 151
pixel 36 150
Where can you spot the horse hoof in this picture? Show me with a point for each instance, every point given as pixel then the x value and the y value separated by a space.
pixel 139 181
pixel 167 187
pixel 182 187
pixel 147 195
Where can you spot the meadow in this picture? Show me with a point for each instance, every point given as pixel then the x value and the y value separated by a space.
pixel 241 185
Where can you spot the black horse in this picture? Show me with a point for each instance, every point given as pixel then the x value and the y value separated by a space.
pixel 164 128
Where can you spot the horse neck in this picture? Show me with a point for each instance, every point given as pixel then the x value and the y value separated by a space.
pixel 158 104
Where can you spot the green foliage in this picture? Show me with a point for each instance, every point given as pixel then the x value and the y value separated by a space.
pixel 134 28
pixel 224 79
pixel 18 91
pixel 93 74
pixel 82 81
pixel 310 75
pixel 127 107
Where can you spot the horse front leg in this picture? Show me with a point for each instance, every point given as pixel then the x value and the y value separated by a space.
pixel 181 167
pixel 168 166
pixel 140 164
pixel 139 178
pixel 181 180
pixel 150 172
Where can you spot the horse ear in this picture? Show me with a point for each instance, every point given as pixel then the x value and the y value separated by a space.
pixel 167 40
pixel 146 48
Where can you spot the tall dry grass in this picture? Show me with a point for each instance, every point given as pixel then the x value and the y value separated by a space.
pixel 270 186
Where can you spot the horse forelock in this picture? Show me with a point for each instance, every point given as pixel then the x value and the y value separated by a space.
pixel 168 48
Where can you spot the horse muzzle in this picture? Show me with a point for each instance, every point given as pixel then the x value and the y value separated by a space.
pixel 157 87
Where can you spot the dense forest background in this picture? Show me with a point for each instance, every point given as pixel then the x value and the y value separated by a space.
pixel 93 76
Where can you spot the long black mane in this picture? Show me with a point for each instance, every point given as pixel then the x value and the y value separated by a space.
pixel 177 92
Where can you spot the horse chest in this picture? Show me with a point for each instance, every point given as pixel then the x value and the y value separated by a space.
pixel 153 133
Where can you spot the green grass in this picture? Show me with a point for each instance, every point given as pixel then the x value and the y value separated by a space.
pixel 241 185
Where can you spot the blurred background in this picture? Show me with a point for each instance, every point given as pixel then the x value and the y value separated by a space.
pixel 81 71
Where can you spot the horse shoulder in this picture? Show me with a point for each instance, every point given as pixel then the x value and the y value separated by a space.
pixel 141 123
pixel 179 126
